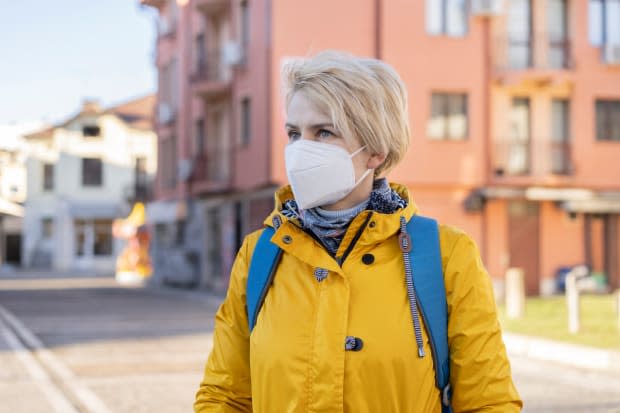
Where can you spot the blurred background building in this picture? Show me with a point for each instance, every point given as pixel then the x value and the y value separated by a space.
pixel 12 191
pixel 514 107
pixel 82 174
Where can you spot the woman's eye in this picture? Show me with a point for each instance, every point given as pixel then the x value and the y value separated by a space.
pixel 324 133
pixel 293 135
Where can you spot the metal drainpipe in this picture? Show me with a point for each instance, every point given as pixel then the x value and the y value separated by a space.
pixel 486 127
pixel 378 27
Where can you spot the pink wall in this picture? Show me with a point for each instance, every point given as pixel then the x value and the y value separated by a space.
pixel 598 164
pixel 443 64
pixel 252 162
pixel 561 240
pixel 496 228
pixel 444 204
pixel 343 25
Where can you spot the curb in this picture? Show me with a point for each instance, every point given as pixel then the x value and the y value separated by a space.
pixel 569 354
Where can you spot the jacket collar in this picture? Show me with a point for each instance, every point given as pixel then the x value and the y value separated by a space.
pixel 381 226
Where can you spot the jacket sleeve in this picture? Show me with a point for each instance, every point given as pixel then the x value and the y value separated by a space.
pixel 226 386
pixel 480 372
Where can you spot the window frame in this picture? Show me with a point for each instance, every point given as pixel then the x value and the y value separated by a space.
pixel 246 121
pixel 86 183
pixel 598 26
pixel 48 179
pixel 445 6
pixel 95 129
pixel 447 100
pixel 611 112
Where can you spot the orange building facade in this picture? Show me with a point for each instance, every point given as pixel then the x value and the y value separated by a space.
pixel 514 108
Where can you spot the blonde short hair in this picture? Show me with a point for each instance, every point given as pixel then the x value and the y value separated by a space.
pixel 366 99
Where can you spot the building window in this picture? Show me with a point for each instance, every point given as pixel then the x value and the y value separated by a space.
pixel 141 179
pixel 48 177
pixel 214 243
pixel 168 163
pixel 559 45
pixel 560 136
pixel 608 120
pixel 93 237
pixel 246 121
pixel 92 172
pixel 604 16
pixel 446 17
pixel 448 119
pixel 199 146
pixel 520 34
pixel 168 93
pixel 80 237
pixel 245 28
pixel 102 237
pixel 141 168
pixel 181 227
pixel 518 145
pixel 201 54
pixel 91 131
pixel 47 228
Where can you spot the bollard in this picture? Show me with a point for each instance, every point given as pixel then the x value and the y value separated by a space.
pixel 515 293
pixel 572 302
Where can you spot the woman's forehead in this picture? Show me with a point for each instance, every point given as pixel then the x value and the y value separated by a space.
pixel 304 111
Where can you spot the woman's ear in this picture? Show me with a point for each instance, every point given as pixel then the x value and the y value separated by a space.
pixel 375 160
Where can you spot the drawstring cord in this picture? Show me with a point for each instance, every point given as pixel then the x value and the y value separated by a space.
pixel 405 246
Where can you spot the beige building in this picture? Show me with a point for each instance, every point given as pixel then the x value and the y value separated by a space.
pixel 83 174
pixel 13 153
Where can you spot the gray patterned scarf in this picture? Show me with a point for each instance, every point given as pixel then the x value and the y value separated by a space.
pixel 330 226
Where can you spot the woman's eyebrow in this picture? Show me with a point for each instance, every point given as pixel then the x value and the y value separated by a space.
pixel 315 126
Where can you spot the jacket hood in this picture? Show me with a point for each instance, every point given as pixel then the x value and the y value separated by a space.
pixel 387 224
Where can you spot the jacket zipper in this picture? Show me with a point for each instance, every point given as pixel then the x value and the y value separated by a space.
pixel 357 236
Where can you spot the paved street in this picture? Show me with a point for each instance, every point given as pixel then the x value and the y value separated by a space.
pixel 87 345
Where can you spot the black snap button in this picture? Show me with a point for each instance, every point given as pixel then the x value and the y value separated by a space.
pixel 368 259
pixel 372 224
pixel 353 343
pixel 287 239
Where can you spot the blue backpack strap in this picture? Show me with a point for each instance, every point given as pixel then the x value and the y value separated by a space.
pixel 260 276
pixel 425 257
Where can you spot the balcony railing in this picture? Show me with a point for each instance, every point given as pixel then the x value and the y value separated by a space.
pixel 561 161
pixel 209 67
pixel 539 51
pixel 212 166
pixel 212 6
pixel 512 157
pixel 540 157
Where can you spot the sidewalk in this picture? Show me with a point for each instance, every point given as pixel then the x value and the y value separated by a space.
pixel 568 354
pixel 13 273
pixel 534 348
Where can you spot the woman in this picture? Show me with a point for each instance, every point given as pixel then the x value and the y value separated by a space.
pixel 335 332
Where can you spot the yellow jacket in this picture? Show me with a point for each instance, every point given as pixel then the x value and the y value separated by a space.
pixel 295 358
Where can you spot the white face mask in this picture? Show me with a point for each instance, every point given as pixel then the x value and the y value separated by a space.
pixel 320 173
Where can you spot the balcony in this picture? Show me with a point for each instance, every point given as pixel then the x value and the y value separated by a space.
pixel 158 4
pixel 211 78
pixel 212 171
pixel 212 7
pixel 166 116
pixel 540 59
pixel 166 31
pixel 511 157
pixel 525 158
pixel 138 192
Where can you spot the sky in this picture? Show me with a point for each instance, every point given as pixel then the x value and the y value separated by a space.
pixel 54 54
